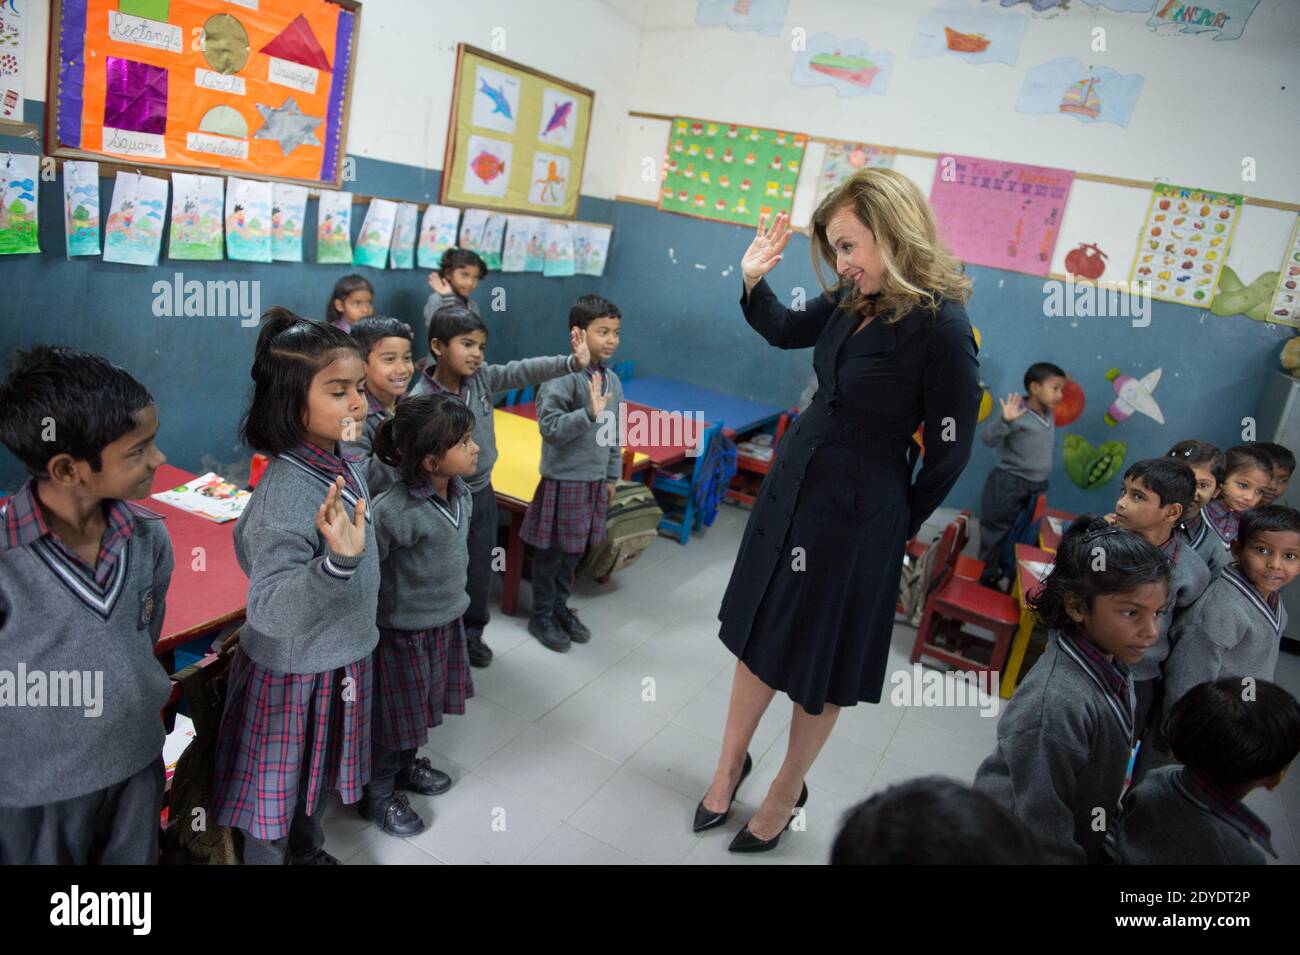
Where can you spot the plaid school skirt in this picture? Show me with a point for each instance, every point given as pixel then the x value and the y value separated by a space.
pixel 289 734
pixel 566 514
pixel 419 676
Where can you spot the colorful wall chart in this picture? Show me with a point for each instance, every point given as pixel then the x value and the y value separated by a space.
pixel 1001 214
pixel 1285 307
pixel 517 138
pixel 1089 94
pixel 976 35
pixel 850 67
pixel 13 41
pixel 1227 18
pixel 1184 242
pixel 730 173
pixel 843 159
pixel 207 85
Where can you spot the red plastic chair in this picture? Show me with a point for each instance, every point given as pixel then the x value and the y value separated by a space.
pixel 968 568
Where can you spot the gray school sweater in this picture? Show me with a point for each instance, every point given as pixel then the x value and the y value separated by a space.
pixel 1024 445
pixel 309 610
pixel 1064 743
pixel 379 476
pixel 477 391
pixel 1208 545
pixel 1188 579
pixel 1165 822
pixel 50 621
pixel 1229 631
pixel 436 301
pixel 575 446
pixel 423 545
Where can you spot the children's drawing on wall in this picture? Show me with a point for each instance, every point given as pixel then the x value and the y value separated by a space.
pixel 288 211
pixel 334 228
pixel 559 250
pixel 1086 261
pixel 559 118
pixel 1035 6
pixel 496 100
pixel 1089 467
pixel 486 173
pixel 402 252
pixel 514 251
pixel 437 234
pixel 1089 94
pixel 18 205
pixel 589 258
pixel 376 234
pixel 133 231
pixel 1133 395
pixel 471 229
pixel 489 245
pixel 1124 6
pixel 1226 18
pixel 535 250
pixel 550 179
pixel 248 220
pixel 976 35
pixel 843 159
pixel 848 66
pixel 197 203
pixel 761 16
pixel 81 207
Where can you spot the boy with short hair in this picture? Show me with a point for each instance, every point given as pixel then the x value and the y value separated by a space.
pixel 385 345
pixel 1283 462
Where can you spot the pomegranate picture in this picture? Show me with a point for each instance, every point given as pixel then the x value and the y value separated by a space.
pixel 1087 261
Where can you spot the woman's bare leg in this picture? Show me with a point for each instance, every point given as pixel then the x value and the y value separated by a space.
pixel 807 736
pixel 749 699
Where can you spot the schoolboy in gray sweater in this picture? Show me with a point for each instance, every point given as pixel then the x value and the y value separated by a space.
pixel 83 586
pixel 385 345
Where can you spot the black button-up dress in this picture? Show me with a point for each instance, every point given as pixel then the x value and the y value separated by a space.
pixel 810 604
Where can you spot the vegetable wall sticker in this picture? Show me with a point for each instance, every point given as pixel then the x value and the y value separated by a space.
pixel 1090 467
pixel 1234 298
pixel 1134 394
pixel 1070 407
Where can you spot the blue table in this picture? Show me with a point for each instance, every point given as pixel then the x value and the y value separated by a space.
pixel 738 415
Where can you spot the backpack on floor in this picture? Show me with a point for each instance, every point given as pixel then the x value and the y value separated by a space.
pixel 632 523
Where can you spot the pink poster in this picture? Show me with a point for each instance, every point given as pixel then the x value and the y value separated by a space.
pixel 1001 214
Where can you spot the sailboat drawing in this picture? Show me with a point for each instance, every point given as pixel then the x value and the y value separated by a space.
pixel 1081 98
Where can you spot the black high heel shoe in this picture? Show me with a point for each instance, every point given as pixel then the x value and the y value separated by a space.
pixel 746 841
pixel 707 819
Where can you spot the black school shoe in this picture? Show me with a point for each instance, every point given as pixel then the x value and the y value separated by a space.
pixel 420 777
pixel 568 621
pixel 480 654
pixel 316 857
pixel 393 814
pixel 548 634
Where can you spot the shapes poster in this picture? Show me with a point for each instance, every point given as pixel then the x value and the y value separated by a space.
pixel 254 86
pixel 730 173
pixel 248 219
pixel 1285 307
pixel 81 207
pixel 198 204
pixel 13 39
pixel 288 213
pixel 402 252
pixel 517 138
pixel 1226 18
pixel 334 229
pixel 558 256
pixel 850 67
pixel 843 159
pixel 1001 214
pixel 18 190
pixel 974 34
pixel 1184 242
pixel 1089 94
pixel 376 234
pixel 523 251
pixel 437 234
pixel 133 232
pixel 763 17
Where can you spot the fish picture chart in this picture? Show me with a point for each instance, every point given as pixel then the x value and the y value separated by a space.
pixel 516 139
pixel 250 87
pixel 1184 242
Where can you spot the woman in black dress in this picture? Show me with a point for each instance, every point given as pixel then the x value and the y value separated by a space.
pixel 810 606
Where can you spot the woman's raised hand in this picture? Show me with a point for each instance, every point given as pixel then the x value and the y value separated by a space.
pixel 765 251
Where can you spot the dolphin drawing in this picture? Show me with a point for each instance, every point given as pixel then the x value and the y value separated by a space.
pixel 498 97
pixel 560 117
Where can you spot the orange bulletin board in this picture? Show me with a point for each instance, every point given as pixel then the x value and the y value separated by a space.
pixel 255 88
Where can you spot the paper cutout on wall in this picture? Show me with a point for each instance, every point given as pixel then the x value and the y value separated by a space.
pixel 149 9
pixel 843 159
pixel 18 215
pixel 1184 243
pixel 1236 298
pixel 760 16
pixel 81 207
pixel 559 118
pixel 135 108
pixel 133 231
pixel 437 234
pixel 550 181
pixel 334 228
pixel 288 126
pixel 13 42
pixel 225 44
pixel 1089 467
pixel 559 250
pixel 296 58
pixel 523 244
pixel 197 208
pixel 976 35
pixel 496 100
pixel 1070 407
pixel 288 213
pixel 224 121
pixel 1227 18
pixel 590 249
pixel 486 172
pixel 1000 214
pixel 248 220
pixel 1284 309
pixel 471 229
pixel 1086 261
pixel 489 243
pixel 376 234
pixel 848 66
pixel 1133 395
pixel 401 254
pixel 1090 94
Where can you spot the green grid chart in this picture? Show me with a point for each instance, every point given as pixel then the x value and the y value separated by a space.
pixel 730 173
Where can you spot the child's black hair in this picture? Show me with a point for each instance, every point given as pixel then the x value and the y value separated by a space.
pixel 589 308
pixel 1171 481
pixel 369 332
pixel 290 351
pixel 1095 559
pixel 1279 456
pixel 1234 731
pixel 60 400
pixel 452 320
pixel 1040 371
pixel 422 425
pixel 1193 451
pixel 1245 457
pixel 342 289
pixel 1262 520
pixel 454 259
pixel 932 821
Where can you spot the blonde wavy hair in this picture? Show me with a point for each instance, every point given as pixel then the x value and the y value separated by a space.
pixel 919 269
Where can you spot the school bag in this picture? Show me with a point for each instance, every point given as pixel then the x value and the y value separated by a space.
pixel 630 526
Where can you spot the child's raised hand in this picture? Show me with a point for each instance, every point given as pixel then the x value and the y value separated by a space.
pixel 766 248
pixel 345 537
pixel 581 353
pixel 598 401
pixel 439 284
pixel 1112 518
pixel 1013 406
pixel 610 489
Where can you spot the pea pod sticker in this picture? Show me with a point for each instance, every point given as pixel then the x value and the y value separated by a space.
pixel 1236 298
pixel 1090 467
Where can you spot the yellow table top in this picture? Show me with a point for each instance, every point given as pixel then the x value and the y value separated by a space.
pixel 519 455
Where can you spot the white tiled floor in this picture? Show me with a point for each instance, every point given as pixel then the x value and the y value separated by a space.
pixel 599 755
